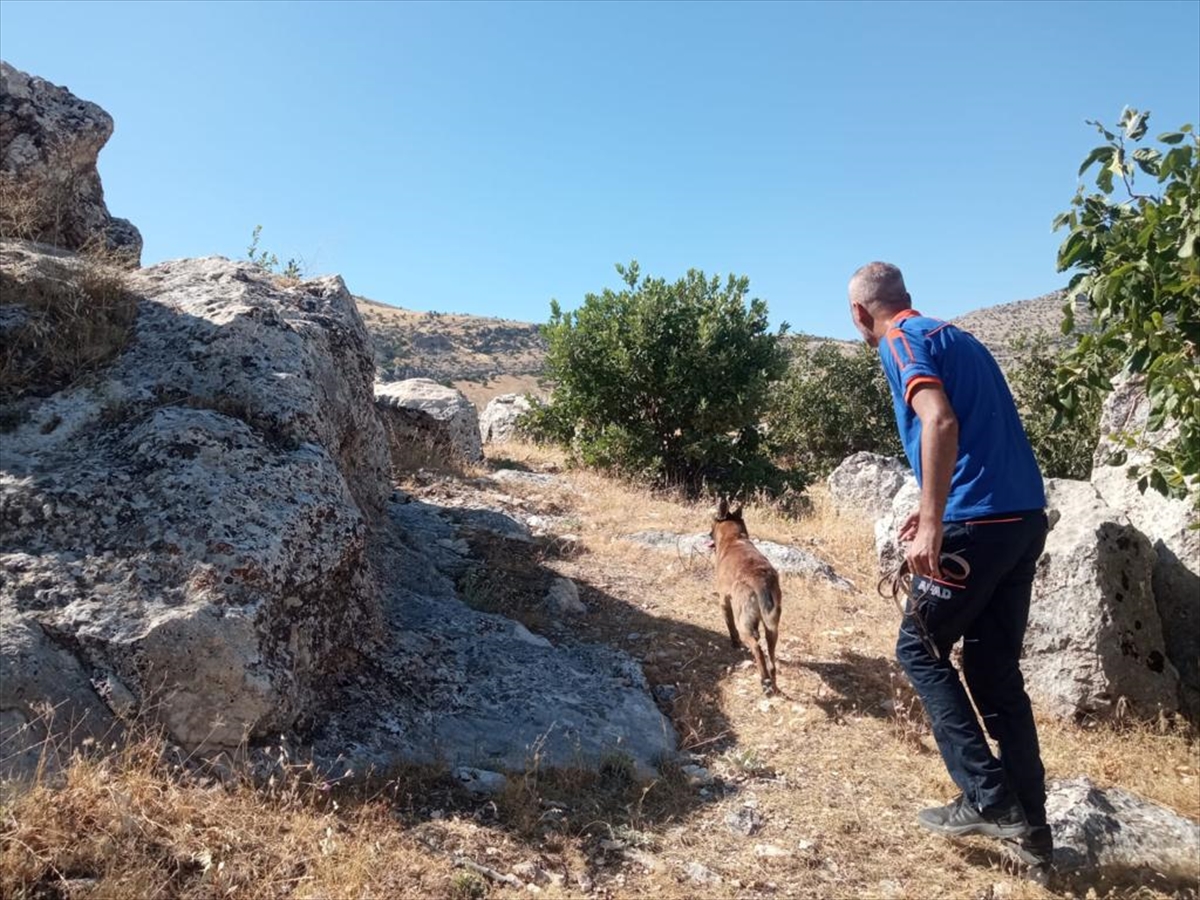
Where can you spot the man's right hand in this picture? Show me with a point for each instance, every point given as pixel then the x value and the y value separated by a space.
pixel 908 530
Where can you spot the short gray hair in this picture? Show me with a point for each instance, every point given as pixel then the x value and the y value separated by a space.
pixel 879 286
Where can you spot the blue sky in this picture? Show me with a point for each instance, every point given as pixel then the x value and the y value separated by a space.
pixel 486 158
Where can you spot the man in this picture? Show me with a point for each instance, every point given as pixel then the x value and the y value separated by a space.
pixel 974 544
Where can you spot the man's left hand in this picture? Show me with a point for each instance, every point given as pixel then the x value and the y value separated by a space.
pixel 925 551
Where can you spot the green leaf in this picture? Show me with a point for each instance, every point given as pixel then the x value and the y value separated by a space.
pixel 1171 137
pixel 1099 154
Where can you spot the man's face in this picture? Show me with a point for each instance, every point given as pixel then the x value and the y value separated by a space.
pixel 864 322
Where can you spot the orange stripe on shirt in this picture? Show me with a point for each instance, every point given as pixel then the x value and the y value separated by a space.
pixel 918 382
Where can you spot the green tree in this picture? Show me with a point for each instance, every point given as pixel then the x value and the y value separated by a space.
pixel 665 381
pixel 1135 255
pixel 830 405
pixel 1063 449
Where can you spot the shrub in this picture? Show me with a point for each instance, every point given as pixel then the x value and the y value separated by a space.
pixel 665 381
pixel 1136 256
pixel 831 404
pixel 1064 449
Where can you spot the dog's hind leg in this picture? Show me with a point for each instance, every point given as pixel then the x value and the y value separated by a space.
pixel 760 659
pixel 772 636
pixel 727 606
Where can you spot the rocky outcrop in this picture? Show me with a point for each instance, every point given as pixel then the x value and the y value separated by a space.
pixel 867 483
pixel 498 423
pixel 888 547
pixel 188 534
pixel 1110 834
pixel 1095 642
pixel 422 412
pixel 49 142
pixel 454 684
pixel 1170 524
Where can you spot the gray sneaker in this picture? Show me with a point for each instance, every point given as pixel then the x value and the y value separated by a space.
pixel 960 818
pixel 1035 851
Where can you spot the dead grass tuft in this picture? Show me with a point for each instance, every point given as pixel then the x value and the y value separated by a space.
pixel 69 317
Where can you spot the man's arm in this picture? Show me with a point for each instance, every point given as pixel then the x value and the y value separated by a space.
pixel 939 451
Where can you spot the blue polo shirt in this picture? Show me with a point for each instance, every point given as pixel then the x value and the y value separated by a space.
pixel 995 471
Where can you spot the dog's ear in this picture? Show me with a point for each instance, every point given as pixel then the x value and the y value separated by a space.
pixel 722 509
pixel 736 513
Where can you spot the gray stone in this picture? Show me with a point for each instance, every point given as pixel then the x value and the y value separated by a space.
pixel 49 144
pixel 698 873
pixel 421 410
pixel 563 597
pixel 480 781
pixel 529 479
pixel 745 821
pixel 867 483
pixel 498 423
pixel 1111 832
pixel 788 560
pixel 1170 524
pixel 1094 644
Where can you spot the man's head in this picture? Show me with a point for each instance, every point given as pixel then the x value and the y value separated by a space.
pixel 877 293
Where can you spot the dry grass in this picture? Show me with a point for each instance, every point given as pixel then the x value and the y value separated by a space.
pixel 76 314
pixel 834 768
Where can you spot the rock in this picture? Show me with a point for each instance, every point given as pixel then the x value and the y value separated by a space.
pixel 1110 832
pixel 421 411
pixel 563 597
pixel 867 483
pixel 744 820
pixel 1169 524
pixel 480 781
pixel 697 776
pixel 888 547
pixel 786 559
pixel 1094 642
pixel 193 526
pixel 498 423
pixel 531 873
pixel 535 479
pixel 770 851
pixel 492 521
pixel 49 143
pixel 36 675
pixel 698 873
pixel 476 689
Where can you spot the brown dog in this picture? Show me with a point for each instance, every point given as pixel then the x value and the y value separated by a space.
pixel 748 588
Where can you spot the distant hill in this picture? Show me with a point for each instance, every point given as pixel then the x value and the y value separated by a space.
pixel 481 356
pixel 485 356
pixel 999 326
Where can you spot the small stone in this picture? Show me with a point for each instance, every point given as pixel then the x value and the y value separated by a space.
pixel 769 851
pixel 697 775
pixel 744 821
pixel 481 781
pixel 699 873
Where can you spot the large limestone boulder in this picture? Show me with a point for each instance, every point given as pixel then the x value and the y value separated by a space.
pixel 186 535
pixel 49 142
pixel 867 483
pixel 1169 524
pixel 888 547
pixel 1095 642
pixel 421 411
pixel 498 423
pixel 1110 834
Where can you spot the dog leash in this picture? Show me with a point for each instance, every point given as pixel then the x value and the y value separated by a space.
pixel 898 584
